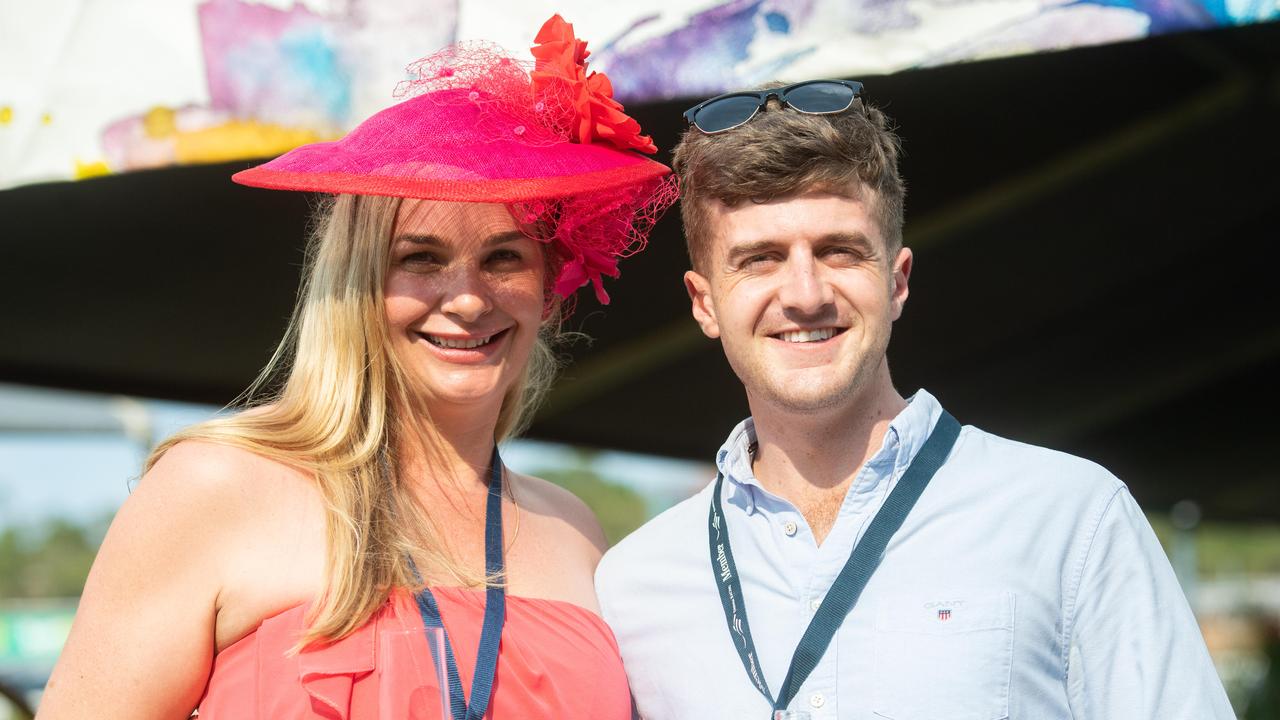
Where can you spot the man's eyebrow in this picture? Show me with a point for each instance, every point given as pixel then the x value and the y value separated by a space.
pixel 849 238
pixel 436 241
pixel 745 250
pixel 756 247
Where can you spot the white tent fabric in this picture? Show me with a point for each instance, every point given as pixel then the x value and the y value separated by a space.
pixel 93 87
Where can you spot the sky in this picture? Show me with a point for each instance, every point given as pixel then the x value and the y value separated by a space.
pixel 85 476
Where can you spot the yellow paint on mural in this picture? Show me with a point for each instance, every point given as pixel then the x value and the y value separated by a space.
pixel 159 122
pixel 241 139
pixel 94 168
pixel 6 115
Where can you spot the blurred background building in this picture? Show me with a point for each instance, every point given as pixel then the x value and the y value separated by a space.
pixel 1092 202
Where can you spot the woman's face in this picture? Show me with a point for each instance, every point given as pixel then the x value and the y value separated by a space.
pixel 464 300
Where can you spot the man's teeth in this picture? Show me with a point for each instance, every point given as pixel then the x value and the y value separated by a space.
pixel 804 336
pixel 463 343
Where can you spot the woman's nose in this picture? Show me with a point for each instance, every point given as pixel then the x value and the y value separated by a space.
pixel 467 296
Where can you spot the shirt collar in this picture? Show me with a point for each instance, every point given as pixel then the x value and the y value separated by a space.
pixel 906 435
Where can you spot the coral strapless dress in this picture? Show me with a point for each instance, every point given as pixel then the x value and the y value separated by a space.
pixel 556 660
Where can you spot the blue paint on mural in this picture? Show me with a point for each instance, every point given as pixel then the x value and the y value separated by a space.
pixel 313 62
pixel 777 22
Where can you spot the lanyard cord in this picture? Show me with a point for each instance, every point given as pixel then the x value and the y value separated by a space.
pixel 847 586
pixel 494 610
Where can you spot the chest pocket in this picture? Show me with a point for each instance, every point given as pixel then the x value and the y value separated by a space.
pixel 944 658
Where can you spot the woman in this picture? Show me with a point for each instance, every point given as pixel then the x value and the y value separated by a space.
pixel 267 560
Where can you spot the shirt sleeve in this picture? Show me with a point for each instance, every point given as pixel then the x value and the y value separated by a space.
pixel 1134 648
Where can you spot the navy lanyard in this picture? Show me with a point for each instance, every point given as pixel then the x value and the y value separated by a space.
pixel 495 606
pixel 848 584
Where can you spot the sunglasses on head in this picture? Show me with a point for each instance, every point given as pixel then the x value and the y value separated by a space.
pixel 815 97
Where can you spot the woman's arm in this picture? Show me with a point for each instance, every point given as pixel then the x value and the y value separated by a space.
pixel 142 642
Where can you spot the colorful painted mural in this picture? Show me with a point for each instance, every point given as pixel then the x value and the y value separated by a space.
pixel 92 87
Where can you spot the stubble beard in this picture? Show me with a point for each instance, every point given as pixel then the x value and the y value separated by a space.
pixel 826 392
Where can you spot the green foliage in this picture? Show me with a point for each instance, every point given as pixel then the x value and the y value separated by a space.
pixel 619 509
pixel 1228 549
pixel 50 560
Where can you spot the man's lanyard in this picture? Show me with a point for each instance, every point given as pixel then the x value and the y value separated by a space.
pixel 495 606
pixel 848 584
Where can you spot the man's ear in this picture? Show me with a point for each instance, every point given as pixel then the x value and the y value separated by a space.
pixel 900 278
pixel 704 310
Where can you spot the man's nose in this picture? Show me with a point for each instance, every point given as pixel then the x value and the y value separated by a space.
pixel 804 287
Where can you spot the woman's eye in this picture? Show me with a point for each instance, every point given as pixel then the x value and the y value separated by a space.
pixel 420 260
pixel 505 257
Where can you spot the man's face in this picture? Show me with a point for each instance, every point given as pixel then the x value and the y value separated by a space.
pixel 802 295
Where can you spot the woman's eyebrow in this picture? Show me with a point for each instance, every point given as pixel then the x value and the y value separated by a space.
pixel 503 237
pixel 436 241
pixel 416 239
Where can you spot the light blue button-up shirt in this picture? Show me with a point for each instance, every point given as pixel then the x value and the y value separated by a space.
pixel 1025 584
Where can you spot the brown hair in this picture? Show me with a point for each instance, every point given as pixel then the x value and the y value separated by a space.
pixel 781 152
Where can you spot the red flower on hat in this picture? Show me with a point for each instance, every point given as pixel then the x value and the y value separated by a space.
pixel 561 69
pixel 589 266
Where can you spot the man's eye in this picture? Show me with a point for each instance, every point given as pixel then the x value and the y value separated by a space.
pixel 846 253
pixel 759 259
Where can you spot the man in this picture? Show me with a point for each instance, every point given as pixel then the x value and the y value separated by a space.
pixel 991 579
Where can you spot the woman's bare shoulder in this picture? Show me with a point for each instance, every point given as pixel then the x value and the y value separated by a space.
pixel 200 471
pixel 549 501
pixel 259 520
pixel 180 571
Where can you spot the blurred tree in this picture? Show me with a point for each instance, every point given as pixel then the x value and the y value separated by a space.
pixel 1264 701
pixel 12 562
pixel 619 509
pixel 1228 549
pixel 48 560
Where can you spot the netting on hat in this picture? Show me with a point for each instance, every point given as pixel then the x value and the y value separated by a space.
pixel 497 88
pixel 588 231
pixel 544 138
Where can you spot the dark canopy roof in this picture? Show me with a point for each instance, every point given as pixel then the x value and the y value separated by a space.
pixel 1095 234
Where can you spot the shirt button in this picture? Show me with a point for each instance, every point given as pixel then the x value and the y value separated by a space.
pixel 816 700
pixel 815 603
pixel 790 528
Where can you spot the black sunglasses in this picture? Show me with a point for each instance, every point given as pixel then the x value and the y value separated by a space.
pixel 815 97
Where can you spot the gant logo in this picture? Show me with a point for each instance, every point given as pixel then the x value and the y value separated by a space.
pixel 724 563
pixel 944 614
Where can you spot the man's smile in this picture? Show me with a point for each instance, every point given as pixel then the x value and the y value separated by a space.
pixel 814 335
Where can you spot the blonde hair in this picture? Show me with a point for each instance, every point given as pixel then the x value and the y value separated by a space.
pixel 343 405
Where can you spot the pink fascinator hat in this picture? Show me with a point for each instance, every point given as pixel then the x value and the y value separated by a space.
pixel 545 138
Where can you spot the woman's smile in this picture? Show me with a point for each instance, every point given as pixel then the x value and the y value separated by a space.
pixel 466 348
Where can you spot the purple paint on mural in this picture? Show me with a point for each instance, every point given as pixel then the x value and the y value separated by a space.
pixel 698 58
pixel 879 16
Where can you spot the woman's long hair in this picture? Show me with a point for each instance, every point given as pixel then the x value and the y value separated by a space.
pixel 334 401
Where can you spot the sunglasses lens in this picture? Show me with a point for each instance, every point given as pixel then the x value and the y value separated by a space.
pixel 820 97
pixel 726 113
